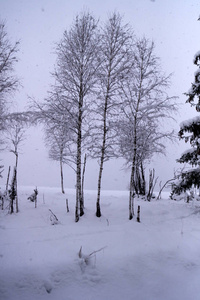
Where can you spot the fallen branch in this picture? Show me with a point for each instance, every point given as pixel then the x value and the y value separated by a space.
pixel 86 258
pixel 164 185
pixel 53 218
pixel 97 251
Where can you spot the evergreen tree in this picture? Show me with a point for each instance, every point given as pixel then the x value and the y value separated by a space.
pixel 190 132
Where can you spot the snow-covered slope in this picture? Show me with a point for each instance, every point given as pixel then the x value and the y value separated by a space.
pixel 157 259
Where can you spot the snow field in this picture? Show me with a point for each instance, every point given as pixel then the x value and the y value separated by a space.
pixel 158 258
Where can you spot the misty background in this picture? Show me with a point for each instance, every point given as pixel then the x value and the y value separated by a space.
pixel 39 24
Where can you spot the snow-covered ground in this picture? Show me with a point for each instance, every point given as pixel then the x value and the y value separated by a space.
pixel 157 259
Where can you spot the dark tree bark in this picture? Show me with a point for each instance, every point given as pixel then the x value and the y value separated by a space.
pixel 138 214
pixel 67 205
pixel 12 192
pixel 143 185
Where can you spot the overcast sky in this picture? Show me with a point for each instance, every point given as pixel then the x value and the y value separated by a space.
pixel 39 24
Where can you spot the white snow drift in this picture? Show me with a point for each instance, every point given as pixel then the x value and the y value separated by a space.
pixel 157 259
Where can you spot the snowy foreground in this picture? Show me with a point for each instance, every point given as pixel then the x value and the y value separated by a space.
pixel 158 258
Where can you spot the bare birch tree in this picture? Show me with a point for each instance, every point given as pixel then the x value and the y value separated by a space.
pixel 75 75
pixel 15 133
pixel 115 43
pixel 8 82
pixel 146 106
pixel 60 145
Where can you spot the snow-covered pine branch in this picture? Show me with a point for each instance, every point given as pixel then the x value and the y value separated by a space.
pixel 190 132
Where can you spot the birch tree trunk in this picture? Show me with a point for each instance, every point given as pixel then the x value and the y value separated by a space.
pixel 132 180
pixel 79 146
pixel 132 185
pixel 98 209
pixel 143 179
pixel 16 165
pixel 61 176
pixel 83 177
pixel 131 195
pixel 12 193
pixel 78 173
pixel 7 182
